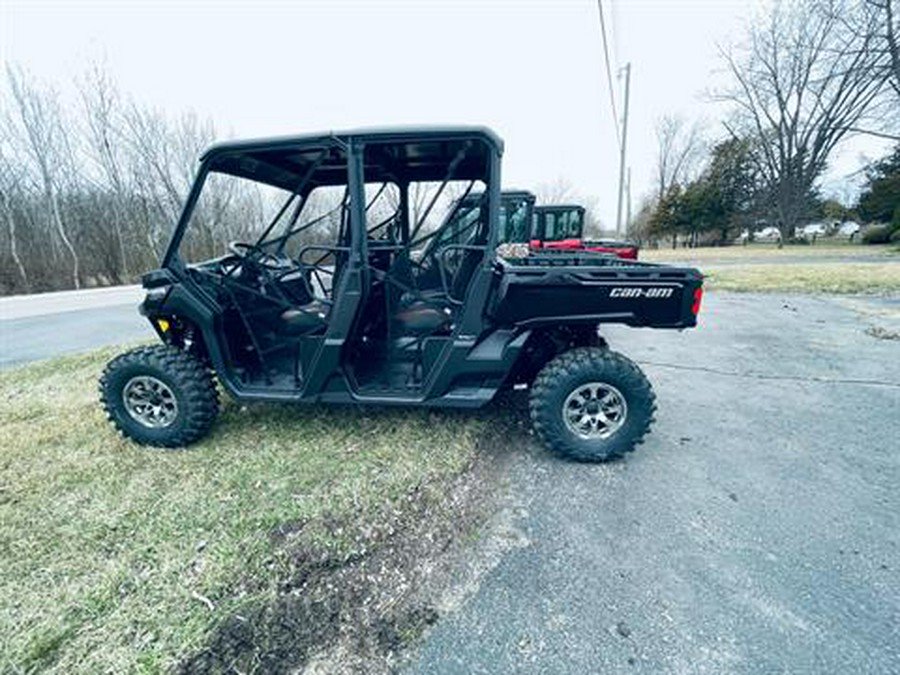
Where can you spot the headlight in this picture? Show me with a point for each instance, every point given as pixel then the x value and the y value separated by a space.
pixel 156 295
pixel 153 300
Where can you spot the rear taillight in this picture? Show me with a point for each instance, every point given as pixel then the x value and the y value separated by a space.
pixel 698 297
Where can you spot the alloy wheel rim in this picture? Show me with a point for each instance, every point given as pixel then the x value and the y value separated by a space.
pixel 150 402
pixel 594 410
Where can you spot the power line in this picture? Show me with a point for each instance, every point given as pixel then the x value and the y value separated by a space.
pixel 609 78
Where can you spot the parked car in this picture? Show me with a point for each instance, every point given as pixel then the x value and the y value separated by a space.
pixel 768 234
pixel 814 230
pixel 849 229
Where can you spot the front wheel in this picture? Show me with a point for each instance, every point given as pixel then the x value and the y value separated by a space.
pixel 159 396
pixel 592 404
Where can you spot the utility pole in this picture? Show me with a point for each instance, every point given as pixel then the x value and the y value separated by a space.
pixel 628 201
pixel 622 150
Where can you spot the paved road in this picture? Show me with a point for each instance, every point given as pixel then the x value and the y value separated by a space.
pixel 757 530
pixel 44 325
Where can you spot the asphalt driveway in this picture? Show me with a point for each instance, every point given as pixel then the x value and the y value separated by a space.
pixel 756 531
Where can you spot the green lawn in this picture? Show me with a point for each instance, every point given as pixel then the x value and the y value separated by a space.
pixel 116 558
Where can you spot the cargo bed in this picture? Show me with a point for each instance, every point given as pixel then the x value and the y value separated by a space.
pixel 584 288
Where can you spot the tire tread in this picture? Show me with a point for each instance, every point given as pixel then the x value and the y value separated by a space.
pixel 200 397
pixel 567 365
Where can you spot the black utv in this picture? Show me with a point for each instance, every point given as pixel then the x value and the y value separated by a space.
pixel 321 269
pixel 517 214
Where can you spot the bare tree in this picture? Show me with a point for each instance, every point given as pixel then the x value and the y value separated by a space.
pixel 163 159
pixel 802 82
pixel 40 117
pixel 880 21
pixel 680 150
pixel 89 193
pixel 883 16
pixel 558 191
pixel 886 24
pixel 101 106
pixel 9 189
pixel 639 229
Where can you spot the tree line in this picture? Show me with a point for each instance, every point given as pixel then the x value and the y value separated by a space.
pixel 89 192
pixel 807 75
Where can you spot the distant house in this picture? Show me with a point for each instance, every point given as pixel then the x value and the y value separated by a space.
pixel 848 229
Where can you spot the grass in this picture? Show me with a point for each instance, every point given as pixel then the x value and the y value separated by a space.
pixel 120 559
pixel 823 268
pixel 806 277
pixel 736 253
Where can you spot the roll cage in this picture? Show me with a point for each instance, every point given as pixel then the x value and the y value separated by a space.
pixel 274 321
pixel 300 164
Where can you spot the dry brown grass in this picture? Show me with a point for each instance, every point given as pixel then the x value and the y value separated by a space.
pixel 736 253
pixel 806 277
pixel 832 268
pixel 118 558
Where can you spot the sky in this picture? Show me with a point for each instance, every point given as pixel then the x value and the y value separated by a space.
pixel 531 70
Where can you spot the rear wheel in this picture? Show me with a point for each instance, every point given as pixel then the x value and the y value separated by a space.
pixel 159 396
pixel 591 404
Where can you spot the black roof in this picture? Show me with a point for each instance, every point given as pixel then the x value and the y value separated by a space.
pixel 505 194
pixel 380 134
pixel 559 207
pixel 518 194
pixel 391 154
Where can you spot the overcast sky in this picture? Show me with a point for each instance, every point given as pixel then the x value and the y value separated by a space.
pixel 531 70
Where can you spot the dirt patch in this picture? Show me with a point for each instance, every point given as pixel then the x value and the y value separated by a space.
pixel 357 612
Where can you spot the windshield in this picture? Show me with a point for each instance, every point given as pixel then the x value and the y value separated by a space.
pixel 232 208
pixel 563 224
pixel 514 223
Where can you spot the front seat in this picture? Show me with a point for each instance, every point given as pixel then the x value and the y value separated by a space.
pixel 423 317
pixel 306 319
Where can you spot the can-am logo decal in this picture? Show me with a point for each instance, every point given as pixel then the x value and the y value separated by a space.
pixel 641 292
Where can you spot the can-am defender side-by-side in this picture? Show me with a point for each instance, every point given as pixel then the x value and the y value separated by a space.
pixel 561 226
pixel 319 269
pixel 549 228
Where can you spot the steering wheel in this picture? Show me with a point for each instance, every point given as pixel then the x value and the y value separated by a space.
pixel 273 269
pixel 255 253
